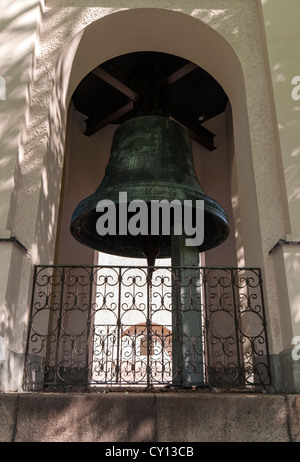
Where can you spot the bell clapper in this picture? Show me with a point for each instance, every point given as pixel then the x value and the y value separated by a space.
pixel 150 250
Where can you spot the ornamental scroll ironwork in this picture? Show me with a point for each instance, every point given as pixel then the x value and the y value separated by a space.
pixel 116 326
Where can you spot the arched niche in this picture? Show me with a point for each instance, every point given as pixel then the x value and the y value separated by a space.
pixel 199 44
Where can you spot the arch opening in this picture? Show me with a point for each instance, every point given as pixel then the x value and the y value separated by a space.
pixel 230 78
pixel 80 172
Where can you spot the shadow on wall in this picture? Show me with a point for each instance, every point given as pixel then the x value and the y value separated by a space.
pixel 288 124
pixel 17 26
pixel 26 110
pixel 2 88
pixel 14 69
pixel 32 186
pixel 292 174
pixel 283 48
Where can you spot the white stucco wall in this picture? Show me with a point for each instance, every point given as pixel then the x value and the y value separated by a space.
pixel 281 28
pixel 280 25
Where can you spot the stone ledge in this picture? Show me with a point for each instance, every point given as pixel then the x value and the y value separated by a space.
pixel 149 417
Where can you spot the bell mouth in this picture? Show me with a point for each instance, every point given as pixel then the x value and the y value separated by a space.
pixel 151 160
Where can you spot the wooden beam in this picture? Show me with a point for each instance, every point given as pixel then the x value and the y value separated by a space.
pixel 116 83
pixel 189 67
pixel 94 124
pixel 200 138
pixel 121 74
pixel 115 77
pixel 196 131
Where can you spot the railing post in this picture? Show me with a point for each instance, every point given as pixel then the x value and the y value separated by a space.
pixel 118 369
pixel 236 326
pixel 148 325
pixel 206 364
pixel 26 379
pixel 176 356
pixel 88 329
pixel 264 323
pixel 59 322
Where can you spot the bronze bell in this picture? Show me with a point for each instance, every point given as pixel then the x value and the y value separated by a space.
pixel 151 159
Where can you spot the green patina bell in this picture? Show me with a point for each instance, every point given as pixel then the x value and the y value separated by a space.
pixel 151 160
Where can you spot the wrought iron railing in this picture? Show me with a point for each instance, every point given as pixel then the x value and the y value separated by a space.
pixel 123 326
